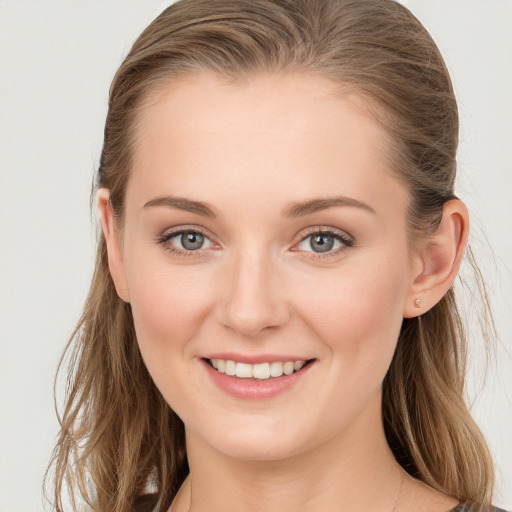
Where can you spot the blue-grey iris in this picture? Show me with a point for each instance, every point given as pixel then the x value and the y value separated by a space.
pixel 192 241
pixel 321 243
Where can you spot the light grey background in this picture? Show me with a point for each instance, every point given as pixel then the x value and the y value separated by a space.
pixel 57 59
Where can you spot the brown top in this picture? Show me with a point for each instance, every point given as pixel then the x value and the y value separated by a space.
pixel 147 503
pixel 467 508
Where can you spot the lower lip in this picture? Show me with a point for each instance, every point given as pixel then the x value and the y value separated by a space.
pixel 254 389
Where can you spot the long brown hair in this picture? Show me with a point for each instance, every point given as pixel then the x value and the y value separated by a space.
pixel 117 433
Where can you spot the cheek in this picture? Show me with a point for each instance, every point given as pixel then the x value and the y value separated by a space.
pixel 358 311
pixel 357 315
pixel 168 305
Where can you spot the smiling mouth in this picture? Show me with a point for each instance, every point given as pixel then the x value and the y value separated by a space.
pixel 261 371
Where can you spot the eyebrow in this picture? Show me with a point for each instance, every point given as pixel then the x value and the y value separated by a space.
pixel 315 205
pixel 300 209
pixel 181 203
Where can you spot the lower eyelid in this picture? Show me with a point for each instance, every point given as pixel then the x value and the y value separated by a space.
pixel 165 241
pixel 344 241
pixel 180 233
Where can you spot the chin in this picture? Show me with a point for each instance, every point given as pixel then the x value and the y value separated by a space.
pixel 259 451
pixel 254 442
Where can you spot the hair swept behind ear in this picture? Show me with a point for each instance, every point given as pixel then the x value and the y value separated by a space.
pixel 426 419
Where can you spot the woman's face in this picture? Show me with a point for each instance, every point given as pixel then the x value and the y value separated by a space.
pixel 262 228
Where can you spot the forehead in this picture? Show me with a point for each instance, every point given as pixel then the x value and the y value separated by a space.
pixel 298 133
pixel 263 101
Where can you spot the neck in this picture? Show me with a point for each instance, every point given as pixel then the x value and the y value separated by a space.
pixel 355 472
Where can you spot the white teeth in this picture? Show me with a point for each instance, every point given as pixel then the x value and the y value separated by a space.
pixel 261 371
pixel 276 369
pixel 288 368
pixel 230 368
pixel 243 370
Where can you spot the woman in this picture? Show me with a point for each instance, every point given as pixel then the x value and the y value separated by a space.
pixel 271 324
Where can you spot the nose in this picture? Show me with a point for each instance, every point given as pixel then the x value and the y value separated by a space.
pixel 252 296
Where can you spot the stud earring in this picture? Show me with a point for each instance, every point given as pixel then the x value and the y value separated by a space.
pixel 417 303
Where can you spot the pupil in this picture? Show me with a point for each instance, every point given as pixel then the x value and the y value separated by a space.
pixel 192 241
pixel 322 243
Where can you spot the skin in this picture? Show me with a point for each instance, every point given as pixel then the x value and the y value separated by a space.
pixel 258 287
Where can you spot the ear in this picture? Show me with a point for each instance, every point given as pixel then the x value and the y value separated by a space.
pixel 113 241
pixel 437 260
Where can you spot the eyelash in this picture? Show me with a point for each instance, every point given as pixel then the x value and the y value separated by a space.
pixel 345 240
pixel 166 237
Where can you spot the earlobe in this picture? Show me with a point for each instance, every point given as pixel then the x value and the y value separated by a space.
pixel 438 260
pixel 113 241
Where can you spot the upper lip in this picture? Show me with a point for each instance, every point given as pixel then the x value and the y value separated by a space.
pixel 256 358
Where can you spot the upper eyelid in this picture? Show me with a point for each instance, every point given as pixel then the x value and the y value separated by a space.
pixel 171 232
pixel 165 238
pixel 328 231
pixel 305 233
pixel 345 241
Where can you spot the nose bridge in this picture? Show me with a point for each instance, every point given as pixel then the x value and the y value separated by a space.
pixel 252 299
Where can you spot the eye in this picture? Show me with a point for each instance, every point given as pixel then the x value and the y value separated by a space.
pixel 185 241
pixel 190 240
pixel 325 241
